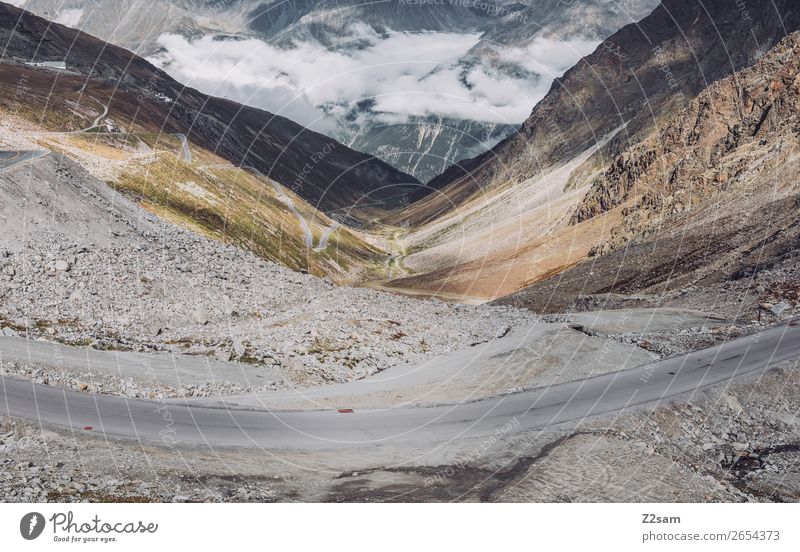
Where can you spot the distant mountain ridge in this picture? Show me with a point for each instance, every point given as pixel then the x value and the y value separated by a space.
pixel 422 144
pixel 326 173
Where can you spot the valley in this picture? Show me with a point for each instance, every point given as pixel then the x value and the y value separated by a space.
pixel 473 71
pixel 536 210
pixel 203 300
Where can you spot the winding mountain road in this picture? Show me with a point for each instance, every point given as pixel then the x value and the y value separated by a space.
pixel 308 236
pixel 186 153
pixel 326 235
pixel 99 119
pixel 186 423
pixel 397 252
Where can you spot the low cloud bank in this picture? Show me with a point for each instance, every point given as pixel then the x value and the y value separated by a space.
pixel 398 74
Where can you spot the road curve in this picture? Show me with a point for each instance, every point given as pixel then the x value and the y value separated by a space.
pixel 185 150
pixel 326 235
pixel 184 423
pixel 308 237
pixel 10 159
pixel 96 123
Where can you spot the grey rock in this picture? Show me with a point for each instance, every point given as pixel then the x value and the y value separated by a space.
pixel 779 308
pixel 238 347
pixel 62 265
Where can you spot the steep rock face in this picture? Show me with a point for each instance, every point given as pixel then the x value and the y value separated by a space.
pixel 513 232
pixel 635 78
pixel 329 20
pixel 326 173
pixel 137 24
pixel 707 208
pixel 706 150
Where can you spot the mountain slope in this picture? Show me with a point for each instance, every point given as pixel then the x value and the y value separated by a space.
pixel 510 221
pixel 417 84
pixel 708 206
pixel 82 264
pixel 635 77
pixel 322 171
pixel 200 192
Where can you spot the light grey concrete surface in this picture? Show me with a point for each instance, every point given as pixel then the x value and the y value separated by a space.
pixel 530 356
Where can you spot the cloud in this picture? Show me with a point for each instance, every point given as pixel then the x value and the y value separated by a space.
pixel 549 55
pixel 69 17
pixel 402 74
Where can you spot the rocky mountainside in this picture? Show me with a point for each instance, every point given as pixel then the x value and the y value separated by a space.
pixel 447 80
pixel 731 130
pixel 426 146
pixel 82 264
pixel 706 209
pixel 137 24
pixel 328 174
pixel 523 212
pixel 635 78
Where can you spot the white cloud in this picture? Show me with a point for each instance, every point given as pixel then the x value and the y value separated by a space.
pixel 402 73
pixel 548 55
pixel 69 17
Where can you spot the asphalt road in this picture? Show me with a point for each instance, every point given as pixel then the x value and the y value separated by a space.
pixel 10 159
pixel 172 422
pixel 308 236
pixel 326 235
pixel 99 118
pixel 158 369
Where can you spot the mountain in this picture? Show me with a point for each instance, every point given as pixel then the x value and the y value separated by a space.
pixel 425 146
pixel 632 79
pixel 605 162
pixel 520 213
pixel 420 85
pixel 706 208
pixel 324 172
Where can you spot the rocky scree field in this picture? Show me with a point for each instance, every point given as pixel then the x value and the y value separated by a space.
pixel 738 443
pixel 83 265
